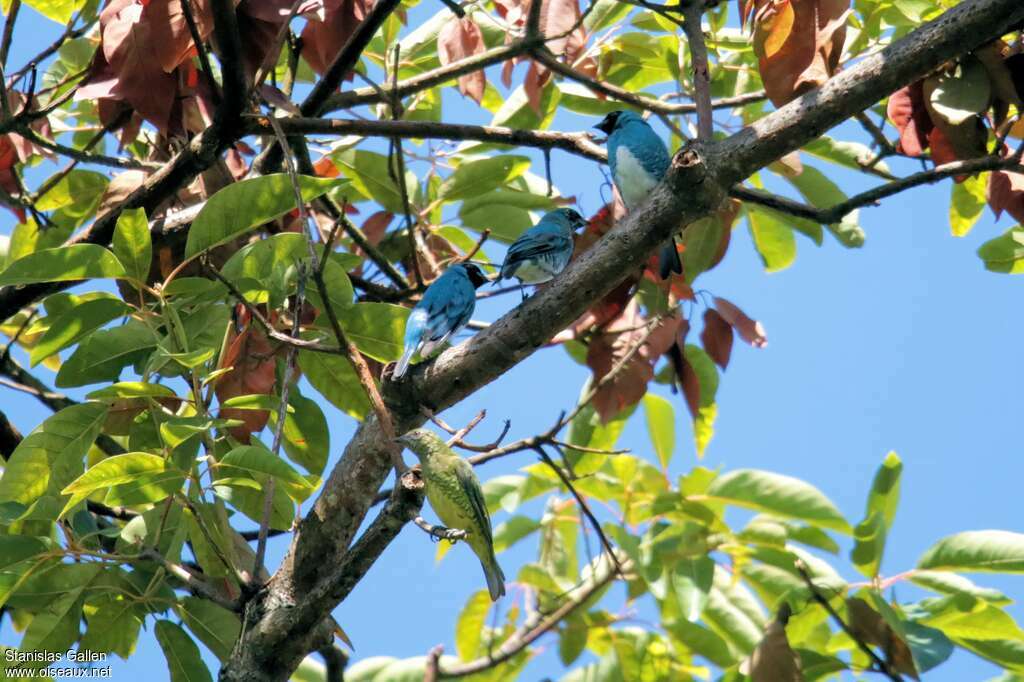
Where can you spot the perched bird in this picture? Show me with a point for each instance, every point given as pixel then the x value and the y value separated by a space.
pixel 455 495
pixel 445 308
pixel 639 160
pixel 544 250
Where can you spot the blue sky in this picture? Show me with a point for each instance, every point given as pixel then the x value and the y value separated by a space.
pixel 906 344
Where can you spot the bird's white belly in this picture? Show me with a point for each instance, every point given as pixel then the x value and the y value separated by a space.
pixel 634 183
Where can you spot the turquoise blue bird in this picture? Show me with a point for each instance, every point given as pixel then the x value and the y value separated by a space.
pixel 639 161
pixel 544 250
pixel 445 308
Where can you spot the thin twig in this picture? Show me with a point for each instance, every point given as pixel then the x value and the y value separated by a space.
pixel 879 662
pixel 197 40
pixel 692 12
pixel 584 508
pixel 195 585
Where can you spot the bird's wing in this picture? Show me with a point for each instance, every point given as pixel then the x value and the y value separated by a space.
pixel 536 243
pixel 467 479
pixel 452 313
pixel 650 150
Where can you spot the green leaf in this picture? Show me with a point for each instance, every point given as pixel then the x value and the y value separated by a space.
pixel 702 240
pixel 993 551
pixel 113 627
pixel 848 154
pixel 780 495
pixel 74 324
pixel 377 329
pixel 661 426
pixel 60 11
pixel 961 93
pixel 505 212
pixel 215 626
pixel 258 461
pixel 472 178
pixel 131 389
pixel 263 256
pixel 16 548
pixel 51 456
pixel 572 639
pixel 704 642
pixel 102 355
pixel 870 534
pixel 966 203
pixel 707 376
pixel 369 174
pixel 951 583
pixel 470 625
pixel 306 438
pixel 55 627
pixel 1005 253
pixel 339 289
pixel 63 264
pixel 822 192
pixel 691 580
pixel 928 646
pixel 244 205
pixel 773 239
pixel 334 377
pixel 512 530
pixel 183 659
pixel 964 617
pixel 132 243
pixel 110 472
pixel 78 193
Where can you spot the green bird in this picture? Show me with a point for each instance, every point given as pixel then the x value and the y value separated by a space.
pixel 454 493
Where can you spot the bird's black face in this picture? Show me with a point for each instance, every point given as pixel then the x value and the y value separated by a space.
pixel 575 219
pixel 475 274
pixel 608 123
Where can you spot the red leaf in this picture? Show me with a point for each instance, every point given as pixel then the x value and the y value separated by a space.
pixel 716 337
pixel 798 44
pixel 749 330
pixel 609 348
pixel 458 39
pixel 322 40
pixel 1006 193
pixel 907 111
pixel 252 358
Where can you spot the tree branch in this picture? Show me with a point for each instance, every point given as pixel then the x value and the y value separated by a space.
pixel 834 214
pixel 692 12
pixel 603 573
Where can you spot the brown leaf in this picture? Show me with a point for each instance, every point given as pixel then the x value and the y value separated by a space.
pixel 252 359
pixel 716 337
pixel 774 659
pixel 174 44
pixel 124 68
pixel 994 58
pixel 749 330
pixel 610 346
pixel 458 39
pixel 798 44
pixel 868 626
pixel 907 111
pixel 1005 192
pixel 322 40
pixel 558 17
pixel 8 181
pixel 537 76
pixel 120 188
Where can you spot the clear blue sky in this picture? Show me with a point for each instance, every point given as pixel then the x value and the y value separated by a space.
pixel 907 344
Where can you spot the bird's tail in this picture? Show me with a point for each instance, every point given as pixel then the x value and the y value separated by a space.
pixel 668 260
pixel 403 363
pixel 495 577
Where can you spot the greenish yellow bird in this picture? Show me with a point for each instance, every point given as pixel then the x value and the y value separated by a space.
pixel 455 495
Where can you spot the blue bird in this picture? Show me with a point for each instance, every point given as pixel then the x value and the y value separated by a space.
pixel 639 160
pixel 445 308
pixel 544 250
